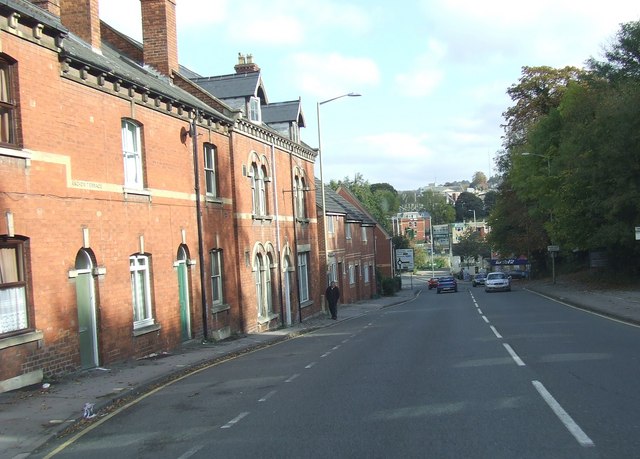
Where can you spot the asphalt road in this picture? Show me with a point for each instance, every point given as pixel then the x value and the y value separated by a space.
pixel 467 374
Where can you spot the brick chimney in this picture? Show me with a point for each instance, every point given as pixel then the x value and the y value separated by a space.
pixel 159 35
pixel 82 18
pixel 52 6
pixel 245 64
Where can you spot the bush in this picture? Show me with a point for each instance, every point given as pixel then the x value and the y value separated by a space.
pixel 388 286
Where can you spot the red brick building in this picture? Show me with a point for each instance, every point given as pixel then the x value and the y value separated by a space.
pixel 351 256
pixel 383 241
pixel 140 211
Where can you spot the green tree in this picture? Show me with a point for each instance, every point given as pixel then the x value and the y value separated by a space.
pixel 470 245
pixel 622 57
pixel 468 203
pixel 438 207
pixel 539 90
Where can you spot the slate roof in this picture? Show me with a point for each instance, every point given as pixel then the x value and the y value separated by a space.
pixel 233 86
pixel 110 61
pixel 113 62
pixel 283 112
pixel 336 204
pixel 28 9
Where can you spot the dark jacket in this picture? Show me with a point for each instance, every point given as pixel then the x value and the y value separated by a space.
pixel 332 295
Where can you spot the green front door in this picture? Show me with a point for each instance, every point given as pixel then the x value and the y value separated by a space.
pixel 183 295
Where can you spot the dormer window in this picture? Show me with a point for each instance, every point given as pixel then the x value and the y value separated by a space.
pixel 254 110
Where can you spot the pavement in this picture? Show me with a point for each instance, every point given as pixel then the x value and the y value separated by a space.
pixel 30 417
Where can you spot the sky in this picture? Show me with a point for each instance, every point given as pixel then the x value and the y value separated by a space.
pixel 432 74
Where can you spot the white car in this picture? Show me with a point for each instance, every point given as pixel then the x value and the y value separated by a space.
pixel 496 282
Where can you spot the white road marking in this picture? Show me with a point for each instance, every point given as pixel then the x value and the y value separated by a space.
pixel 564 417
pixel 485 319
pixel 513 354
pixel 268 396
pixel 325 354
pixel 191 452
pixel 479 311
pixel 335 347
pixel 310 365
pixel 495 332
pixel 292 378
pixel 235 420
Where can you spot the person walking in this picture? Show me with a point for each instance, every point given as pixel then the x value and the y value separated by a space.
pixel 333 295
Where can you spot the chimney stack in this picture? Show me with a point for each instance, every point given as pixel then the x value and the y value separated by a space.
pixel 159 35
pixel 82 18
pixel 52 6
pixel 245 64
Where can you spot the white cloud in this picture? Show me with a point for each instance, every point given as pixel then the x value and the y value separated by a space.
pixel 325 75
pixel 426 72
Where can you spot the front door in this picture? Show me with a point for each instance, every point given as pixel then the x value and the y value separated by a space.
pixel 183 295
pixel 85 298
pixel 287 291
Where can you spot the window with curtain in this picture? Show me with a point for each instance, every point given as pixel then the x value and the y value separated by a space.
pixel 303 276
pixel 8 105
pixel 211 182
pixel 141 290
pixel 13 287
pixel 132 154
pixel 216 277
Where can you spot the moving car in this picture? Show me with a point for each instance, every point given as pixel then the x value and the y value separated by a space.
pixel 432 282
pixel 478 279
pixel 496 282
pixel 447 284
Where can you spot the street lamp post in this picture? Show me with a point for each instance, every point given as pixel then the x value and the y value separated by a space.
pixel 433 273
pixel 324 202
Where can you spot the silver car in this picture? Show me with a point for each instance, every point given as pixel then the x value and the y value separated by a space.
pixel 496 282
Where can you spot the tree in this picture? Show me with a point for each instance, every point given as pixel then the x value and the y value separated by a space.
pixel 538 90
pixel 622 57
pixel 470 245
pixel 468 203
pixel 490 198
pixel 438 207
pixel 479 181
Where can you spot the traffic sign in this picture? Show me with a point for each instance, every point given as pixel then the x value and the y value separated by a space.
pixel 553 248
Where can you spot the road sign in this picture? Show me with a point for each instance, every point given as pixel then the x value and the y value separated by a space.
pixel 404 259
pixel 637 233
pixel 553 248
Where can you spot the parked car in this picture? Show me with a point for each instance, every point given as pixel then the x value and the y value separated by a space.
pixel 517 274
pixel 479 279
pixel 432 282
pixel 447 284
pixel 496 282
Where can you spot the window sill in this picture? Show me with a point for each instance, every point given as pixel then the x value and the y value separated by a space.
pixel 213 199
pixel 18 340
pixel 220 308
pixel 145 330
pixel 266 218
pixel 269 318
pixel 303 221
pixel 306 304
pixel 16 153
pixel 136 194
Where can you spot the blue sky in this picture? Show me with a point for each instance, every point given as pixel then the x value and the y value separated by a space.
pixel 433 74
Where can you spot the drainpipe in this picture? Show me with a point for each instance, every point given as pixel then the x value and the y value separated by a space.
pixel 196 172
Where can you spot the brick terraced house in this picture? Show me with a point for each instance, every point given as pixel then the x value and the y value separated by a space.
pixel 140 209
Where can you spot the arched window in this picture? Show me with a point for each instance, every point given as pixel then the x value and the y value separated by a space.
pixel 300 203
pixel 264 288
pixel 258 189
